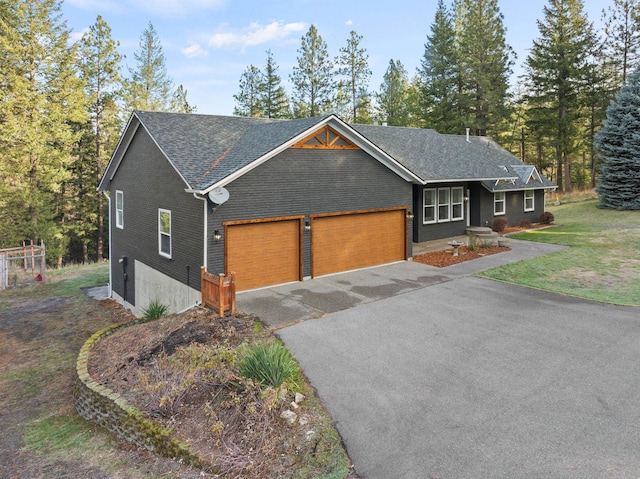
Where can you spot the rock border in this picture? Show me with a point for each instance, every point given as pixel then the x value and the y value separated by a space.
pixel 111 411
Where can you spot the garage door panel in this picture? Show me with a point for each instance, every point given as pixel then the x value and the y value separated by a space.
pixel 263 253
pixel 358 240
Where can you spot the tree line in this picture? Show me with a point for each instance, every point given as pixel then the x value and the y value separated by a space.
pixel 63 104
pixel 62 108
pixel 549 118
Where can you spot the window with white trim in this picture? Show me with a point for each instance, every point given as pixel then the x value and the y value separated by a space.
pixel 529 200
pixel 444 203
pixel 429 205
pixel 119 209
pixel 164 232
pixel 499 203
pixel 457 203
pixel 440 205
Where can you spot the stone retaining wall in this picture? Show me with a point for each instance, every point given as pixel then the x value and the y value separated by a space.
pixel 108 409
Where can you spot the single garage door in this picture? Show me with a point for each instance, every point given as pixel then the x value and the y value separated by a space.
pixel 264 253
pixel 349 241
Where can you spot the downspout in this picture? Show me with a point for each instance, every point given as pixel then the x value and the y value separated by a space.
pixel 110 244
pixel 206 228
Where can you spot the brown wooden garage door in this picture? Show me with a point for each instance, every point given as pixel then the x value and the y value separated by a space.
pixel 357 240
pixel 264 253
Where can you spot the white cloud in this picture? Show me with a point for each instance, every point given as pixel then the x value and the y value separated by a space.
pixel 255 34
pixel 348 23
pixel 194 50
pixel 76 36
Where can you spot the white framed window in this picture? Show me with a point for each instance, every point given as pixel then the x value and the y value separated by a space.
pixel 499 203
pixel 529 200
pixel 119 209
pixel 164 232
pixel 444 204
pixel 429 205
pixel 457 203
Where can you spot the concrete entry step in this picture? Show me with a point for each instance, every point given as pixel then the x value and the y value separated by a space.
pixel 474 230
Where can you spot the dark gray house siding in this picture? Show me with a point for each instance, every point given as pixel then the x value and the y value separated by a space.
pixel 304 182
pixel 482 207
pixel 149 182
pixel 433 231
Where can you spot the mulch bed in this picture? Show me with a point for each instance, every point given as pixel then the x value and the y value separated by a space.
pixel 445 258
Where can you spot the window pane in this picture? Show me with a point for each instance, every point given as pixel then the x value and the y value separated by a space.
pixel 456 211
pixel 456 195
pixel 165 222
pixel 429 213
pixel 165 244
pixel 443 196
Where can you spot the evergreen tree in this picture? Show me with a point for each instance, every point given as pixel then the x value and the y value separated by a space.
pixel 485 62
pixel 622 37
pixel 249 98
pixel 393 98
pixel 618 143
pixel 353 63
pixel 313 77
pixel 439 78
pixel 179 102
pixel 275 103
pixel 100 70
pixel 150 87
pixel 42 102
pixel 557 70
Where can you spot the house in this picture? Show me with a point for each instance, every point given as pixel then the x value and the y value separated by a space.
pixel 278 201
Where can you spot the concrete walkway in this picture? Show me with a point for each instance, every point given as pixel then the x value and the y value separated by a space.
pixel 283 305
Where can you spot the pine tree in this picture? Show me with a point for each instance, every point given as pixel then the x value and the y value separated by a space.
pixel 618 144
pixel 393 97
pixel 249 98
pixel 100 70
pixel 353 63
pixel 557 70
pixel 313 77
pixel 622 37
pixel 42 104
pixel 149 87
pixel 439 78
pixel 275 103
pixel 179 102
pixel 485 62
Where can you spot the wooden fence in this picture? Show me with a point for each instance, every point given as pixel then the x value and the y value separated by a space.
pixel 22 265
pixel 218 291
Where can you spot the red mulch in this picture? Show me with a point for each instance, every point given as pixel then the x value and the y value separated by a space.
pixel 445 258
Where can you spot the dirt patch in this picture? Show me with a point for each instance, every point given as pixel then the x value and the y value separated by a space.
pixel 179 370
pixel 445 258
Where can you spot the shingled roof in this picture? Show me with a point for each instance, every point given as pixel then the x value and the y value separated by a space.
pixel 206 149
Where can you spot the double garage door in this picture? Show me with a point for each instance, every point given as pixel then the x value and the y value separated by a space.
pixel 267 252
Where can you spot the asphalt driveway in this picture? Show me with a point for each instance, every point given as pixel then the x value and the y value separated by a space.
pixel 470 378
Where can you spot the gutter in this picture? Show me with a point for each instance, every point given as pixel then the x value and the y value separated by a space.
pixel 206 228
pixel 110 289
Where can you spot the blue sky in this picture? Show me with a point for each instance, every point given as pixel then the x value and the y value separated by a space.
pixel 209 43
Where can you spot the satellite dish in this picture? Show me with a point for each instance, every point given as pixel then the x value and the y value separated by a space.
pixel 219 195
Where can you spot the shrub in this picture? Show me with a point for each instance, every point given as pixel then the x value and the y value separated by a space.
pixel 499 224
pixel 270 364
pixel 546 218
pixel 525 224
pixel 155 310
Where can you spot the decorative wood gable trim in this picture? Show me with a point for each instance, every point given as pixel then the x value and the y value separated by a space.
pixel 326 138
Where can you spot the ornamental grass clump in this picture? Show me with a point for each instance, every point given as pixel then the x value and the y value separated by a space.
pixel 270 364
pixel 155 310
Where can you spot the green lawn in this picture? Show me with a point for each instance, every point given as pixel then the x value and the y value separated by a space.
pixel 602 262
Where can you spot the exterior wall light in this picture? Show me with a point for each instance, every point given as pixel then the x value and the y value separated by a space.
pixel 307 226
pixel 410 215
pixel 217 236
